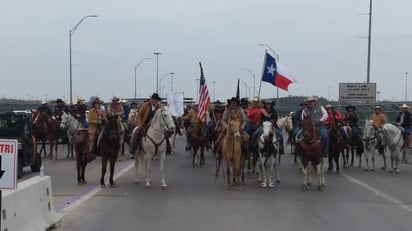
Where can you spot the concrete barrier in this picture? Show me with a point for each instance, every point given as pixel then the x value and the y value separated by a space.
pixel 30 207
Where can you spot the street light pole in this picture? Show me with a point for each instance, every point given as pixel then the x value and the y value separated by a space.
pixel 254 80
pixel 246 87
pixel 406 87
pixel 71 32
pixel 277 57
pixel 157 70
pixel 214 84
pixel 171 85
pixel 135 70
pixel 369 43
pixel 161 79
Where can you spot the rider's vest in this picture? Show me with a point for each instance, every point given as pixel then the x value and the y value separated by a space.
pixel 316 114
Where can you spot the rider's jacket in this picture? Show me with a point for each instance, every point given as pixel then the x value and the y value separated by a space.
pixel 351 118
pixel 404 119
pixel 96 118
pixel 236 112
pixel 378 120
pixel 331 117
pixel 146 113
pixel 254 115
pixel 318 113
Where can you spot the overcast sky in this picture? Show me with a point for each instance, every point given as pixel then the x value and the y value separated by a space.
pixel 317 41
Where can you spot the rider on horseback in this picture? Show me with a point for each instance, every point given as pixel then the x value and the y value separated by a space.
pixel 97 118
pixel 351 119
pixel 297 121
pixel 79 111
pixel 379 119
pixel 59 109
pixel 404 120
pixel 45 108
pixel 233 111
pixel 319 116
pixel 193 117
pixel 144 116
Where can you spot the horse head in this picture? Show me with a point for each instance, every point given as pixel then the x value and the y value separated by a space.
pixel 285 122
pixel 267 132
pixel 234 128
pixel 111 131
pixel 165 119
pixel 64 120
pixel 308 129
pixel 368 131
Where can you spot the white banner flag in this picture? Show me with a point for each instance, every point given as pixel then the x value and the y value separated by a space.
pixel 175 103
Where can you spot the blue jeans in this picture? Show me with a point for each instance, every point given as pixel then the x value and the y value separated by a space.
pixel 249 128
pixel 324 137
pixel 407 130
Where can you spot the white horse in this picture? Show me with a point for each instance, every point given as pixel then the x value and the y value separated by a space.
pixel 286 124
pixel 154 144
pixel 391 137
pixel 369 140
pixel 268 151
pixel 70 124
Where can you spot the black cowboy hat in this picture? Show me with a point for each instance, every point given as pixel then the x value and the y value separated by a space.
pixel 59 100
pixel 156 96
pixel 244 101
pixel 234 99
pixel 96 100
pixel 350 106
pixel 133 103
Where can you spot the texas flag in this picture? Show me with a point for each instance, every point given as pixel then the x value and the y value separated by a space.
pixel 275 74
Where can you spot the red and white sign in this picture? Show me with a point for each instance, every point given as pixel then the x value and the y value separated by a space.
pixel 8 164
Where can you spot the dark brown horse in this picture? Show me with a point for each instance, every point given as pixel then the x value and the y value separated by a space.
pixel 108 148
pixel 310 150
pixel 336 144
pixel 46 128
pixel 198 142
pixel 81 146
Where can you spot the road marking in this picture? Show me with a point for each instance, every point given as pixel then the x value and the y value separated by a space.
pixel 379 193
pixel 76 200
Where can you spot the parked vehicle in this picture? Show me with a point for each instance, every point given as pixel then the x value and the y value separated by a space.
pixel 16 125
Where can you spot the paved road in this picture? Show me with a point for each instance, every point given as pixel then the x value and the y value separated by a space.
pixel 353 200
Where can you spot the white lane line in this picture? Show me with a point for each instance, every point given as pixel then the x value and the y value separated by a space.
pixel 379 193
pixel 93 191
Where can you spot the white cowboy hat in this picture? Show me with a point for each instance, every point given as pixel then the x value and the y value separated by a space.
pixel 123 101
pixel 404 106
pixel 329 106
pixel 44 101
pixel 256 99
pixel 378 107
pixel 79 99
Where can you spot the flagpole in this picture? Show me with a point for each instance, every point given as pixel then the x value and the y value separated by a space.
pixel 263 72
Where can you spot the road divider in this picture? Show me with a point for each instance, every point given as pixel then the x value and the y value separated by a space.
pixel 30 207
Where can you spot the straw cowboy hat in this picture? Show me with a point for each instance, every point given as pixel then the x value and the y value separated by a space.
pixel 96 100
pixel 115 98
pixel 378 107
pixel 123 101
pixel 404 106
pixel 310 98
pixel 79 98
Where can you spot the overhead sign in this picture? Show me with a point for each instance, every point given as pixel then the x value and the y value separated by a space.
pixel 357 91
pixel 8 164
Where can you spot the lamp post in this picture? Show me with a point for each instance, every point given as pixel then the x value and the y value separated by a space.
pixel 254 80
pixel 135 68
pixel 277 57
pixel 246 88
pixel 406 87
pixel 171 85
pixel 157 70
pixel 71 32
pixel 369 43
pixel 162 93
pixel 214 99
pixel 164 76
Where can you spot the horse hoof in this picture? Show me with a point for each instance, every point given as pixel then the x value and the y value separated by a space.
pixel 366 170
pixel 163 187
pixel 263 185
pixel 383 168
pixel 391 171
pixel 309 184
pixel 372 170
pixel 102 186
pixel 304 187
pixel 113 186
pixel 148 186
pixel 136 181
pixel 397 171
pixel 321 187
pixel 277 181
pixel 271 185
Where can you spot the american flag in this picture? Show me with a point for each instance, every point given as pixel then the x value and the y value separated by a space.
pixel 204 98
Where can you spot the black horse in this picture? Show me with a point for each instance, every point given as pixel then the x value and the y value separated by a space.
pixel 108 148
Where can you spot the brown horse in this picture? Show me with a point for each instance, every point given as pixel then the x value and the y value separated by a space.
pixel 310 150
pixel 108 148
pixel 81 146
pixel 198 143
pixel 232 151
pixel 44 127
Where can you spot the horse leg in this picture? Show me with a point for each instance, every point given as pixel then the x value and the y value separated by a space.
pixel 384 162
pixel 148 162
pixel 113 160
pixel 228 174
pixel 276 170
pixel 202 156
pixel 336 157
pixel 104 166
pixel 162 174
pixel 330 159
pixel 194 151
pixel 56 143
pixel 304 186
pixel 137 162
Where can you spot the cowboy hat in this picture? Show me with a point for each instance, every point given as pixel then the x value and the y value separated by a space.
pixel 328 106
pixel 404 105
pixel 79 99
pixel 123 101
pixel 256 99
pixel 235 100
pixel 59 100
pixel 156 97
pixel 115 98
pixel 267 101
pixel 243 101
pixel 44 101
pixel 310 98
pixel 96 100
pixel 350 106
pixel 378 107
